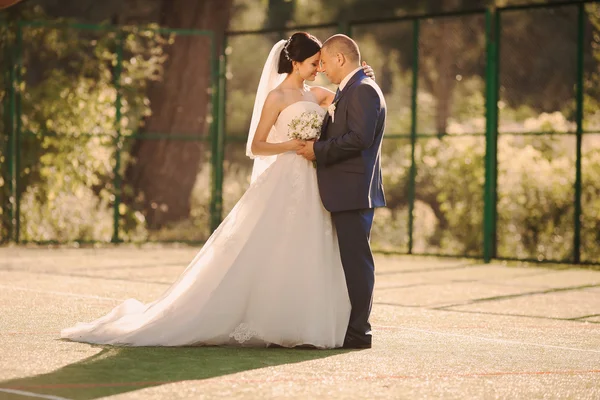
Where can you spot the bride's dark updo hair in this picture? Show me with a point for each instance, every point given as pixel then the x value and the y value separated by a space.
pixel 299 47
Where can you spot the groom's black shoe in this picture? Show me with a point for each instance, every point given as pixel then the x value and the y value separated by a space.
pixel 351 342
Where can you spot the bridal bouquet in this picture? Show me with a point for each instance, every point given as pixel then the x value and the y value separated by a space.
pixel 307 126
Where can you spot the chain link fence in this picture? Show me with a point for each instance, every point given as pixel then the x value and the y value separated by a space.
pixel 492 148
pixel 84 154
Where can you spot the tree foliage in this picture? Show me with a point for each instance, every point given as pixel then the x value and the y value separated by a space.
pixel 68 96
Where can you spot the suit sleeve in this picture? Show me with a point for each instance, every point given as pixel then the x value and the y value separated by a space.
pixel 364 108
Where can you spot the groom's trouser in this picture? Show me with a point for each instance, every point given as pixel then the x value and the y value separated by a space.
pixel 354 231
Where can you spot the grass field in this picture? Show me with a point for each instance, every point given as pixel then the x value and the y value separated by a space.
pixel 443 328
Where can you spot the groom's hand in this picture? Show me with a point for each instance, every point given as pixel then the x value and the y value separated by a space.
pixel 308 151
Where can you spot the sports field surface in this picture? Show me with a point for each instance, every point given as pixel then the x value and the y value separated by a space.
pixel 443 328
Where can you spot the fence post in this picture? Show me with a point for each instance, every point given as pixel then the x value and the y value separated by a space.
pixel 579 132
pixel 7 121
pixel 11 128
pixel 413 134
pixel 218 64
pixel 118 139
pixel 492 34
pixel 18 126
pixel 13 156
pixel 345 28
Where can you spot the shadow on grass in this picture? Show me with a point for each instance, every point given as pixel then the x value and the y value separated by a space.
pixel 117 370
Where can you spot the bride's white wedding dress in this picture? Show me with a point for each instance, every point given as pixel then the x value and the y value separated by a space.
pixel 270 274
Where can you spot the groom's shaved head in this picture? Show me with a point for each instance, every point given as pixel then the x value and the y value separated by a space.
pixel 342 44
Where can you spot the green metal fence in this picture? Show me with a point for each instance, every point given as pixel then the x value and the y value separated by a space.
pixel 487 228
pixel 471 167
pixel 115 132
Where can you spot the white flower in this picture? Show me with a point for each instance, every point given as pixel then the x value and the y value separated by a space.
pixel 307 126
pixel 331 111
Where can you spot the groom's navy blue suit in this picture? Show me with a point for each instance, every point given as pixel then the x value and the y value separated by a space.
pixel 349 173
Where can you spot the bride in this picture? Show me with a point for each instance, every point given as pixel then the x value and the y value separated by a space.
pixel 253 282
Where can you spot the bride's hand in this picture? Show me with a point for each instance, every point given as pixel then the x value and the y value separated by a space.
pixel 295 144
pixel 368 70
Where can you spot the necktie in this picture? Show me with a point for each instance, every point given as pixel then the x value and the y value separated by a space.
pixel 337 95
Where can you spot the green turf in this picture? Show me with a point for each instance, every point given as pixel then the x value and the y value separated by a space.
pixel 443 328
pixel 122 369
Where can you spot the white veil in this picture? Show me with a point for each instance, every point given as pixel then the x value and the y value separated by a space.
pixel 269 80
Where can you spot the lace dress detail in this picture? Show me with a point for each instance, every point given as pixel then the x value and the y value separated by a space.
pixel 244 333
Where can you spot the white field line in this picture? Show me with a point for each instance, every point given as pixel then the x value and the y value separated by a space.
pixel 83 296
pixel 31 394
pixel 504 341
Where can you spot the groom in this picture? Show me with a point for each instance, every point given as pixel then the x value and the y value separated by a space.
pixel 348 156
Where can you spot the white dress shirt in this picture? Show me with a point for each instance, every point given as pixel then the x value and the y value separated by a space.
pixel 344 81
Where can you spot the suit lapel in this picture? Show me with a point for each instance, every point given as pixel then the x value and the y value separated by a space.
pixel 357 77
pixel 324 125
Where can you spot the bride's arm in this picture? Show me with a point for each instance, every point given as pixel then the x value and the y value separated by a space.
pixel 324 96
pixel 268 117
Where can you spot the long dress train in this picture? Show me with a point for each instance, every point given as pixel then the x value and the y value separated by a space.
pixel 270 274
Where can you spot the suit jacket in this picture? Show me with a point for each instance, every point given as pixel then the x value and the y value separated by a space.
pixel 349 150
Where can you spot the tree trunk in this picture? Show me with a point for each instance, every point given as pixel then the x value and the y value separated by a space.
pixel 163 172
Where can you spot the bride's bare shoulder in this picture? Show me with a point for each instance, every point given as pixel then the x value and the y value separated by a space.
pixel 274 98
pixel 278 92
